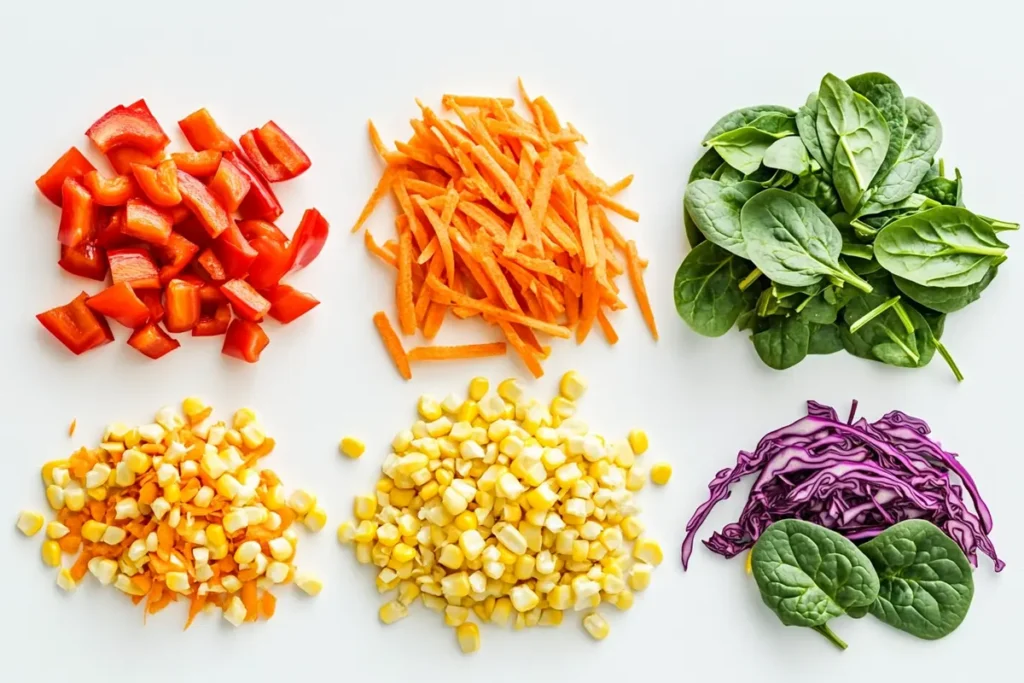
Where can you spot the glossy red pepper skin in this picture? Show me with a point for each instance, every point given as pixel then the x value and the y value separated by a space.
pixel 76 326
pixel 134 266
pixel 288 303
pixel 175 257
pixel 256 228
pixel 271 264
pixel 147 223
pixel 131 126
pixel 234 252
pixel 215 324
pixel 123 158
pixel 159 184
pixel 260 202
pixel 112 235
pixel 203 133
pixel 153 298
pixel 283 149
pixel 206 208
pixel 212 266
pixel 193 231
pixel 246 302
pixel 152 341
pixel 209 292
pixel 114 191
pixel 182 306
pixel 72 164
pixel 199 164
pixel 309 239
pixel 272 170
pixel 120 302
pixel 85 260
pixel 229 185
pixel 77 214
pixel 244 340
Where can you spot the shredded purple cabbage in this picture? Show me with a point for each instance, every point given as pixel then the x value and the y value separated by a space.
pixel 857 478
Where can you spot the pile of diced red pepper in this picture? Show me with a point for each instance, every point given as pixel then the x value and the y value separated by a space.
pixel 189 240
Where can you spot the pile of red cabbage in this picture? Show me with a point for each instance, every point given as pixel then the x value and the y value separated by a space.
pixel 857 478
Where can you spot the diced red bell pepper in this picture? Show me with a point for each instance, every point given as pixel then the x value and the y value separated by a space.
pixel 175 257
pixel 253 229
pixel 112 236
pixel 272 170
pixel 203 133
pixel 261 202
pixel 152 341
pixel 213 325
pixel 246 301
pixel 283 149
pixel 198 164
pixel 309 239
pixel 234 252
pixel 120 302
pixel 114 191
pixel 178 214
pixel 272 263
pixel 160 184
pixel 134 266
pixel 191 230
pixel 153 298
pixel 132 126
pixel 77 215
pixel 75 326
pixel 245 340
pixel 122 158
pixel 212 265
pixel 85 260
pixel 147 223
pixel 288 303
pixel 209 292
pixel 72 164
pixel 203 204
pixel 183 306
pixel 229 185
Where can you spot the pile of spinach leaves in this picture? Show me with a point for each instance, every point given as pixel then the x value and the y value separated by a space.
pixel 833 227
pixel 912 576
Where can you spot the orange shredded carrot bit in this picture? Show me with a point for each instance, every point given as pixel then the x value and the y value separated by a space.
pixel 392 343
pixel 71 427
pixel 466 351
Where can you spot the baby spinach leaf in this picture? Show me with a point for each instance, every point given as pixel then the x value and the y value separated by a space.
pixel 942 190
pixel 886 95
pixel 818 188
pixel 946 299
pixel 741 117
pixel 715 210
pixel 743 148
pixel 788 154
pixel 886 338
pixel 809 575
pixel 926 583
pixel 825 340
pixel 727 175
pixel 920 143
pixel 942 247
pixel 705 167
pixel 784 343
pixel 791 241
pixel 806 126
pixel 706 289
pixel 817 310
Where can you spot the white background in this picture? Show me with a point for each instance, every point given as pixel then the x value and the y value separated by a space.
pixel 643 80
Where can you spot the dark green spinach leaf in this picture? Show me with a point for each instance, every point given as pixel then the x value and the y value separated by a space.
pixel 715 210
pixel 886 95
pixel 946 299
pixel 825 340
pixel 788 154
pixel 920 143
pixel 741 117
pixel 706 290
pixel 784 343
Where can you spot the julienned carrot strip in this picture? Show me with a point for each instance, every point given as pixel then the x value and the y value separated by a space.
pixel 422 353
pixel 378 193
pixel 433 319
pixel 392 343
pixel 403 293
pixel 443 240
pixel 542 190
pixel 636 279
pixel 586 233
pixel 527 354
pixel 588 309
pixel 606 327
pixel 470 101
pixel 612 205
pixel 497 278
pixel 517 199
pixel 494 311
pixel 409 212
pixel 620 185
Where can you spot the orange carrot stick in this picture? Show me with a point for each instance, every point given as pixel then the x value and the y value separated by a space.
pixel 606 327
pixel 403 293
pixel 518 201
pixel 422 353
pixel 494 311
pixel 383 185
pixel 586 233
pixel 392 343
pixel 636 279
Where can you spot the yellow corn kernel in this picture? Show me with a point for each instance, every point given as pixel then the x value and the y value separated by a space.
pixel 243 417
pixel 55 530
pixel 365 507
pixel 638 441
pixel 315 519
pixel 352 447
pixel 393 611
pixel 253 435
pixel 172 493
pixel 456 585
pixel 465 521
pixel 429 408
pixel 92 531
pixel 631 528
pixel 429 490
pixel 468 412
pixel 387 535
pixel 451 556
pixel 478 387
pixel 177 582
pixel 346 532
pixel 468 635
pixel 302 502
pixel 366 532
pixel 215 536
pixel 48 468
pixel 309 584
pixel 661 473
pixel 572 385
pixel 400 498
pixel 596 626
pixel 509 390
pixel 51 553
pixel 55 496
pixel 647 550
pixel 455 615
pixel 502 611
pixel 523 598
pixel 403 553
pixel 562 407
pixel 623 600
pixel 66 581
pixel 550 617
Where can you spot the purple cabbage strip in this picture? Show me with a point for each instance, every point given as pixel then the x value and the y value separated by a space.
pixel 857 478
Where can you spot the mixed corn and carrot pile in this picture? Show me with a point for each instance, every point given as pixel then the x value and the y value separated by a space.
pixel 501 218
pixel 178 509
pixel 505 508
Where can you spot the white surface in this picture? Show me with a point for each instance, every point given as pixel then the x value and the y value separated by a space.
pixel 642 80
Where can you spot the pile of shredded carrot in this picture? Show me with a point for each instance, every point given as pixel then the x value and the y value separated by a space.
pixel 500 217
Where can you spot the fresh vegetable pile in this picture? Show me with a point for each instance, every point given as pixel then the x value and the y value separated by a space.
pixel 833 227
pixel 501 218
pixel 856 478
pixel 505 508
pixel 165 229
pixel 178 509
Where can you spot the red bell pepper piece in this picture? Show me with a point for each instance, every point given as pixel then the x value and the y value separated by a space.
pixel 77 215
pixel 203 133
pixel 146 223
pixel 191 230
pixel 198 164
pixel 84 260
pixel 72 164
pixel 245 340
pixel 213 325
pixel 261 202
pixel 122 158
pixel 272 263
pixel 153 300
pixel 253 229
pixel 75 326
pixel 134 266
pixel 230 185
pixel 204 205
pixel 272 170
pixel 112 236
pixel 175 257
pixel 212 265
pixel 283 149
pixel 246 301
pixel 309 239
pixel 160 184
pixel 182 306
pixel 131 126
pixel 152 341
pixel 120 302
pixel 209 293
pixel 288 303
pixel 114 191
pixel 234 252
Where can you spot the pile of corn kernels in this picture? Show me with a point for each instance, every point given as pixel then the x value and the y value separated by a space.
pixel 504 508
pixel 178 509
